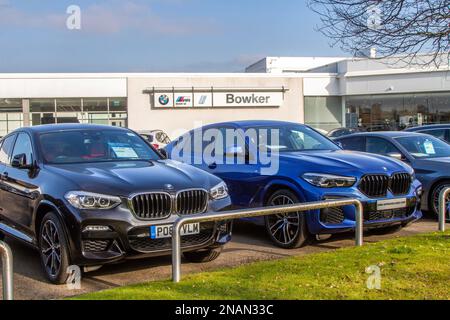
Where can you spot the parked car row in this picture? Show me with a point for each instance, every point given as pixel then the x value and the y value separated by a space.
pixel 92 195
pixel 441 131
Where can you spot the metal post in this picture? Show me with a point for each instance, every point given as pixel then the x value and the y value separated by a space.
pixel 7 265
pixel 258 212
pixel 359 220
pixel 443 208
pixel 176 251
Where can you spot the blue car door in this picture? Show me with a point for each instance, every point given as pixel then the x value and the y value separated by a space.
pixel 242 177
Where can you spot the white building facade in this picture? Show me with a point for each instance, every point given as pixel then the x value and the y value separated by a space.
pixel 325 93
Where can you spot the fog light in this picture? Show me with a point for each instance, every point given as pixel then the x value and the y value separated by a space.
pixel 96 228
pixel 419 191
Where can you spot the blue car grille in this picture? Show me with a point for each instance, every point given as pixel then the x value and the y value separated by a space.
pixel 400 183
pixel 377 185
pixel 331 216
pixel 388 214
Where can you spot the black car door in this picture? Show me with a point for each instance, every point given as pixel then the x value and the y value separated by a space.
pixel 20 189
pixel 5 153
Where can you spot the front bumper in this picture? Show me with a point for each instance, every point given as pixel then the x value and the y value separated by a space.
pixel 129 238
pixel 336 220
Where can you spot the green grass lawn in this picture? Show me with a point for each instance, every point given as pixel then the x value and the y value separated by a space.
pixel 416 267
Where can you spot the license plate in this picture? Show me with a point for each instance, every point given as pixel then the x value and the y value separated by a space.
pixel 165 231
pixel 391 204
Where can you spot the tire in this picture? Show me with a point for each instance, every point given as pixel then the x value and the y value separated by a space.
pixel 434 198
pixel 286 231
pixel 201 256
pixel 53 249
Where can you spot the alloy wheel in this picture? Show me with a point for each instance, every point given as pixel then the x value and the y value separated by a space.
pixel 51 248
pixel 284 227
pixel 436 196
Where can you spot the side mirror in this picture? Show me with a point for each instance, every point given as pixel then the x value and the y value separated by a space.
pixel 339 144
pixel 396 155
pixel 164 153
pixel 20 161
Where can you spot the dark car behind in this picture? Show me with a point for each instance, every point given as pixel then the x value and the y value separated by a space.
pixel 427 155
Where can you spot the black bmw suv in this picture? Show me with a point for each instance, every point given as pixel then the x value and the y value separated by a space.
pixel 90 195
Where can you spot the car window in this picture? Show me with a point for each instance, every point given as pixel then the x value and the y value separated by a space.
pixel 355 143
pixel 380 146
pixel 423 146
pixel 438 133
pixel 84 146
pixel 6 148
pixel 23 146
pixel 291 138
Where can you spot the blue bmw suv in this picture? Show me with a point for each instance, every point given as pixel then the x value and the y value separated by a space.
pixel 268 163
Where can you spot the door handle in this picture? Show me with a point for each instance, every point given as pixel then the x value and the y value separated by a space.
pixel 212 165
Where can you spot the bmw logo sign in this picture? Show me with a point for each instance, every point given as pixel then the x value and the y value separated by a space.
pixel 164 99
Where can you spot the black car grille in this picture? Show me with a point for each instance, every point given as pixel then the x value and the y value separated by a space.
pixel 95 245
pixel 161 205
pixel 388 214
pixel 152 205
pixel 146 244
pixel 191 202
pixel 332 215
pixel 400 183
pixel 377 185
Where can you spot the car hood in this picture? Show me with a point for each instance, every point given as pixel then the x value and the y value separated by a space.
pixel 125 178
pixel 343 162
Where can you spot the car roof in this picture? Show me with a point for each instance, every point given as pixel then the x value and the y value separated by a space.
pixel 384 134
pixel 68 127
pixel 253 123
pixel 429 126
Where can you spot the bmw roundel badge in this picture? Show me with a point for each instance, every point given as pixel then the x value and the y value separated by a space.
pixel 164 99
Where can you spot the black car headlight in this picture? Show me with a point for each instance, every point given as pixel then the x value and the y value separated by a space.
pixel 219 192
pixel 92 201
pixel 328 180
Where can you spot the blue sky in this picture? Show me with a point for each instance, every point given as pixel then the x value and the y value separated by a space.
pixel 155 35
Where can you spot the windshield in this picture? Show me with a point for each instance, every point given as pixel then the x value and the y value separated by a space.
pixel 84 146
pixel 285 138
pixel 425 147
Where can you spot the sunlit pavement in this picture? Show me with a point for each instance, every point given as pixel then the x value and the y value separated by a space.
pixel 249 244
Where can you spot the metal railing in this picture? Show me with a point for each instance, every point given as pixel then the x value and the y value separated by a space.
pixel 443 208
pixel 258 212
pixel 7 266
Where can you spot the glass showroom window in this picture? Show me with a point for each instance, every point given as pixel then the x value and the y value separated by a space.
pixel 397 111
pixel 69 111
pixel 323 112
pixel 96 110
pixel 11 116
pixel 118 112
pixel 42 111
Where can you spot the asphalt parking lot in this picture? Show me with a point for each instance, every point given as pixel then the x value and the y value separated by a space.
pixel 249 244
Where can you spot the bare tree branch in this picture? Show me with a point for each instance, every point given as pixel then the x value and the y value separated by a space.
pixel 416 32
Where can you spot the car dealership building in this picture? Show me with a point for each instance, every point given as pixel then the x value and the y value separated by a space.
pixel 325 93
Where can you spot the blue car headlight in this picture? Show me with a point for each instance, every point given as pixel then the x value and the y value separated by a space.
pixel 219 192
pixel 328 180
pixel 91 201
